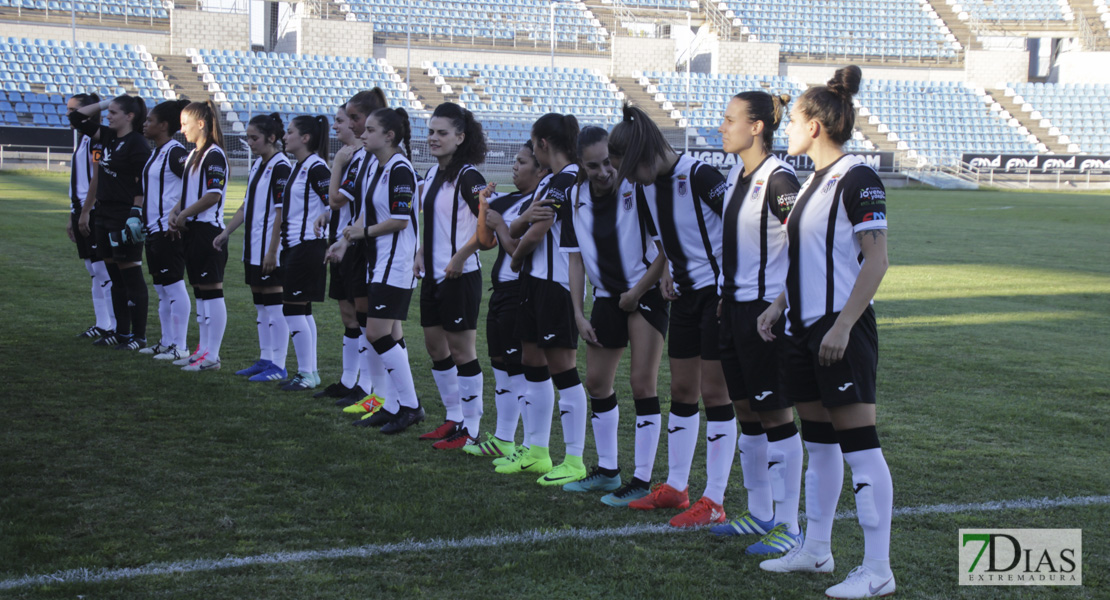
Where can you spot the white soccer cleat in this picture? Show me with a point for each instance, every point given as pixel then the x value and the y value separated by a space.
pixel 799 561
pixel 862 583
pixel 155 349
pixel 192 358
pixel 171 353
pixel 202 365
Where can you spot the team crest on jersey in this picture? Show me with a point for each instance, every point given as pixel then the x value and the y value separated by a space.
pixel 627 199
pixel 755 188
pixel 682 185
pixel 830 184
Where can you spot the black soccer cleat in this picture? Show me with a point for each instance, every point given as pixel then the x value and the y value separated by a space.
pixel 353 397
pixel 130 342
pixel 335 390
pixel 90 333
pixel 406 417
pixel 109 340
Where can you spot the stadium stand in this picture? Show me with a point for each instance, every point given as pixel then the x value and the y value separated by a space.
pixel 1014 10
pixel 130 12
pixel 1081 112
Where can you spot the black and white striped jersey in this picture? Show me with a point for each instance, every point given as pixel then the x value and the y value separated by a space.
pixel 349 189
pixel 80 172
pixel 162 184
pixel 508 206
pixel 685 207
pixel 305 199
pixel 265 189
pixel 450 218
pixel 546 261
pixel 390 194
pixel 834 204
pixel 205 174
pixel 612 237
pixel 754 261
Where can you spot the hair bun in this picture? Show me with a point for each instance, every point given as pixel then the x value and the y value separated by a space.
pixel 846 81
pixel 783 98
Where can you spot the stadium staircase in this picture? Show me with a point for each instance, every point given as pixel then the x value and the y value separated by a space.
pixel 873 133
pixel 638 97
pixel 182 75
pixel 1095 35
pixel 425 89
pixel 959 28
pixel 1043 134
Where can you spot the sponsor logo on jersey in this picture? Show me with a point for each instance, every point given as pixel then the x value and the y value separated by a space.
pixel 872 193
pixel 786 202
pixel 875 216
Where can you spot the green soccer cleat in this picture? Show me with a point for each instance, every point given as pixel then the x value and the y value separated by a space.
pixel 491 448
pixel 570 471
pixel 596 481
pixel 510 458
pixel 536 460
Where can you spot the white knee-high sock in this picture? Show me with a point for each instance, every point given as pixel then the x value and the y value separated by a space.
pixel 683 426
pixel 365 381
pixel 380 382
pixel 165 319
pixel 396 363
pixel 350 357
pixel 518 385
pixel 573 410
pixel 279 334
pixel 262 324
pixel 302 341
pixel 471 383
pixel 784 466
pixel 539 402
pixel 446 376
pixel 217 324
pixel 202 324
pixel 648 421
pixel 874 492
pixel 824 478
pixel 720 450
pixel 753 464
pixel 606 417
pixel 508 408
pixel 177 297
pixel 102 295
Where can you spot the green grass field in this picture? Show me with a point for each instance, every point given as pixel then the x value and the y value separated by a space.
pixel 994 385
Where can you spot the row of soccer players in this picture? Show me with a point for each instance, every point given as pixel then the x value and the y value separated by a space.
pixel 647 227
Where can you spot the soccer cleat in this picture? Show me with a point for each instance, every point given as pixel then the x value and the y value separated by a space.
pixel 461 439
pixel 356 395
pixel 315 378
pixel 704 512
pixel 258 367
pixel 197 355
pixel 862 583
pixel 131 343
pixel 108 340
pixel 491 448
pixel 406 417
pixel 596 481
pixel 633 490
pixel 448 429
pixel 335 390
pixel 202 365
pixel 745 524
pixel 376 419
pixel 511 458
pixel 272 373
pixel 171 353
pixel 90 333
pixel 370 404
pixel 155 349
pixel 797 560
pixel 533 460
pixel 662 496
pixel 570 471
pixel 776 541
pixel 299 383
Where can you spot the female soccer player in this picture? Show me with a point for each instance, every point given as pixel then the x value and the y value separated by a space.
pixel 837 259
pixel 165 253
pixel 504 346
pixel 388 224
pixel 545 320
pixel 200 216
pixel 303 247
pixel 616 250
pixel 451 293
pixel 119 201
pixel 265 189
pixel 82 169
pixel 753 273
pixel 685 207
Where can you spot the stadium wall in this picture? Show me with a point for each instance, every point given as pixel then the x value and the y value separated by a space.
pixel 1082 67
pixel 397 57
pixel 988 68
pixel 642 54
pixel 210 30
pixel 155 42
pixel 819 74
pixel 336 38
pixel 748 58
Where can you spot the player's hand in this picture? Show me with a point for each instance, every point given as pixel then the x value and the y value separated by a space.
pixel 320 223
pixel 455 266
pixel 489 190
pixel 766 321
pixel 269 263
pixel 219 241
pixel 666 286
pixel 418 264
pixel 720 306
pixel 352 233
pixel 83 224
pixel 69 230
pixel 336 251
pixel 494 220
pixel 179 222
pixel 538 211
pixel 517 264
pixel 833 345
pixel 628 301
pixel 586 330
pixel 343 157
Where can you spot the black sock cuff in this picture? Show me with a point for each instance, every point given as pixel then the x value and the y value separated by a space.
pixel 860 438
pixel 680 409
pixel 514 369
pixel 601 405
pixel 647 406
pixel 445 364
pixel 208 294
pixel 383 344
pixel 257 297
pixel 401 343
pixel 566 379
pixel 536 374
pixel 292 310
pixel 352 332
pixel 307 308
pixel 782 432
pixel 751 428
pixel 725 412
pixel 470 369
pixel 271 299
pixel 361 318
pixel 818 432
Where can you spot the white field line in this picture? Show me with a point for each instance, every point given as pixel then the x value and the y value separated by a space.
pixel 527 537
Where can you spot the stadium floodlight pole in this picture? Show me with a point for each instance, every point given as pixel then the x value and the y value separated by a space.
pixel 689 59
pixel 408 50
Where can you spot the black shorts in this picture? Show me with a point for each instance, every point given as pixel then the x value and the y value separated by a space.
pixel 305 272
pixel 253 276
pixel 348 276
pixel 694 325
pixel 107 230
pixel 165 258
pixel 546 316
pixel 501 323
pixel 752 366
pixel 388 302
pixel 203 263
pixel 610 323
pixel 86 244
pixel 848 381
pixel 452 303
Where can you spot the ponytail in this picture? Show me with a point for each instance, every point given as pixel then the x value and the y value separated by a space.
pixel 269 126
pixel 397 121
pixel 560 131
pixel 169 112
pixel 472 150
pixel 206 112
pixel 134 106
pixel 831 104
pixel 767 108
pixel 367 101
pixel 635 140
pixel 316 128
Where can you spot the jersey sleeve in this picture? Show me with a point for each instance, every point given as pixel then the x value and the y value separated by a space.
pixel 645 212
pixel 279 178
pixel 471 183
pixel 782 192
pixel 558 193
pixel 319 178
pixel 864 199
pixel 176 160
pixel 710 187
pixel 402 190
pixel 568 236
pixel 213 172
pixel 349 187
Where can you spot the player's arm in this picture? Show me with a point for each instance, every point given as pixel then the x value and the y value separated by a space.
pixel 90 202
pixel 576 271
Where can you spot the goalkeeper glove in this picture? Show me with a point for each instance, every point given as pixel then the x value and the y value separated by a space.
pixel 134 232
